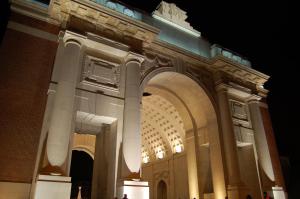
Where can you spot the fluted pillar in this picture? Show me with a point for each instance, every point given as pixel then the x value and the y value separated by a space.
pixel 132 132
pixel 192 165
pixel 61 118
pixel 235 187
pixel 262 148
pixel 265 142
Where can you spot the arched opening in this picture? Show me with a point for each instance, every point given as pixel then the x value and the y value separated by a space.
pixel 180 136
pixel 162 190
pixel 81 173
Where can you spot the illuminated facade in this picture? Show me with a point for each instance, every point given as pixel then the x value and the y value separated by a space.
pixel 162 112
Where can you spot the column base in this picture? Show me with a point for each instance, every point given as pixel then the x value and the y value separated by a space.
pixel 278 193
pixel 50 187
pixel 133 189
pixel 237 192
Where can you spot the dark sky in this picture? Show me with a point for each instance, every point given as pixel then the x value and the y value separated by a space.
pixel 265 32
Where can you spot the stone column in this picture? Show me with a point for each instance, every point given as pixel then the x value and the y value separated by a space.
pixel 229 142
pixel 262 148
pixel 265 142
pixel 61 118
pixel 131 126
pixel 192 165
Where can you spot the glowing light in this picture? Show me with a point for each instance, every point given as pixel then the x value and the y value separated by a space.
pixel 178 148
pixel 145 159
pixel 160 155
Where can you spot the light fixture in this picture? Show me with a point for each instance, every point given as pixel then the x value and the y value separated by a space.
pixel 145 159
pixel 178 148
pixel 160 155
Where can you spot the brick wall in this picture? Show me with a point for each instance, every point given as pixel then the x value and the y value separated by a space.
pixel 25 69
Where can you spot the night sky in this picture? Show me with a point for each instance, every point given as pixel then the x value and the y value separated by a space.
pixel 265 32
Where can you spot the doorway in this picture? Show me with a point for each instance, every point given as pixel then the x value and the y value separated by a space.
pixel 81 173
pixel 162 190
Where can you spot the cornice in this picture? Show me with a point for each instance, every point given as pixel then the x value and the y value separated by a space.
pixel 101 18
pixel 238 71
pixel 219 63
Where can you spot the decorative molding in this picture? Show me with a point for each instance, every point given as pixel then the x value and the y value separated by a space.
pixel 238 72
pixel 102 19
pixel 100 73
pixel 154 61
pixel 134 57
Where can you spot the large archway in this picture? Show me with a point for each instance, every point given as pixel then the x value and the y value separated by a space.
pixel 180 136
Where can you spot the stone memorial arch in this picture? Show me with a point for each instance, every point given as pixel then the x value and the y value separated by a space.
pixel 162 112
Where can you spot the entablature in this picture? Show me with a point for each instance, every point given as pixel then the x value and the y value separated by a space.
pixel 236 71
pixel 84 16
pixel 101 19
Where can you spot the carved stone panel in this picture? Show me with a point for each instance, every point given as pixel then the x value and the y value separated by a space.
pixel 239 110
pixel 101 73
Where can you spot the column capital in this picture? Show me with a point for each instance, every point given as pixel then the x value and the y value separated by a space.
pixel 71 37
pixel 254 99
pixel 134 57
pixel 222 87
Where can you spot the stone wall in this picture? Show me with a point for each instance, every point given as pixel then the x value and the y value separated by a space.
pixel 173 171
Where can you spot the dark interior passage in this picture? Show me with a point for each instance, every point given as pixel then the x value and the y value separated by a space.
pixel 81 173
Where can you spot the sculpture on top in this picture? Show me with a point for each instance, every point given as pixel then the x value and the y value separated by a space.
pixel 171 13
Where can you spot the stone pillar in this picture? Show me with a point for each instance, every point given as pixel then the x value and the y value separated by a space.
pixel 100 172
pixel 132 133
pixel 131 126
pixel 266 146
pixel 262 148
pixel 54 184
pixel 230 146
pixel 62 116
pixel 192 165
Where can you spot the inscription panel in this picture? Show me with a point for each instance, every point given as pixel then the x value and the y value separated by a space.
pixel 239 110
pixel 101 73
